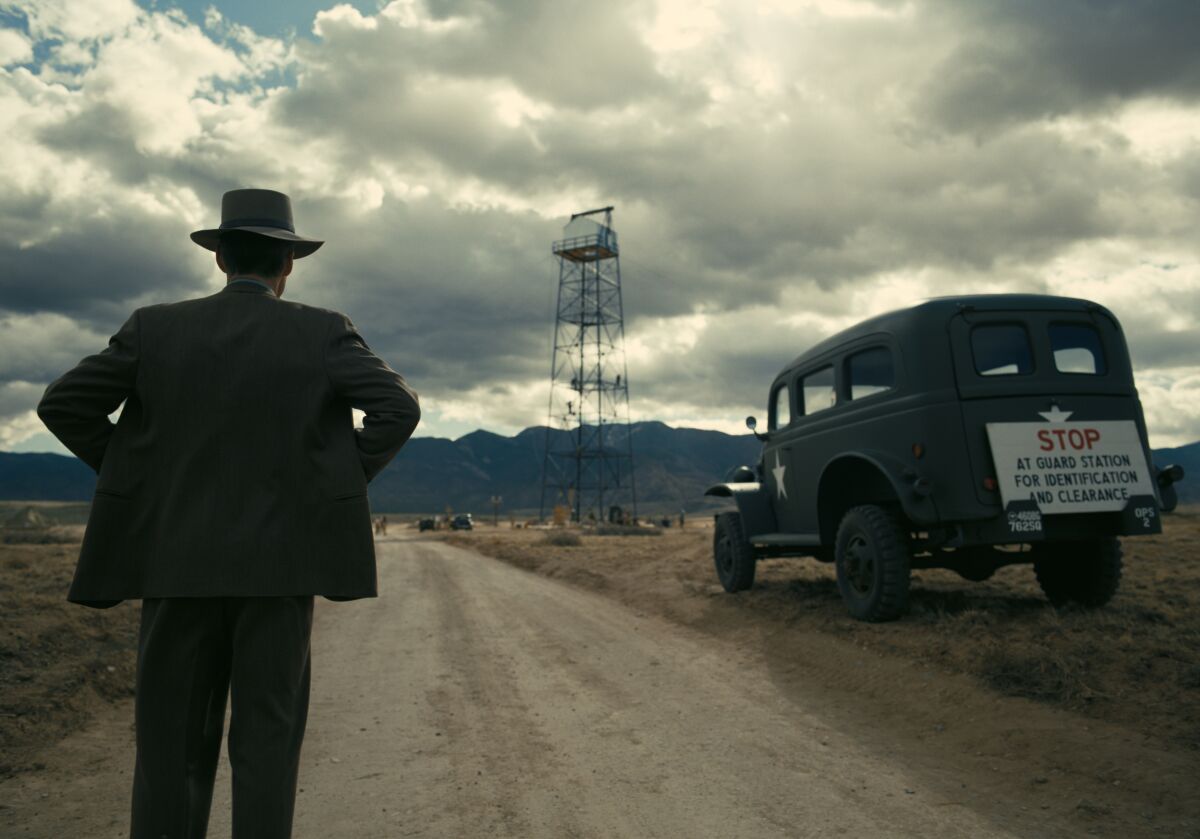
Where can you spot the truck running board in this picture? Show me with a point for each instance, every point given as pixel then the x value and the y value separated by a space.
pixel 800 540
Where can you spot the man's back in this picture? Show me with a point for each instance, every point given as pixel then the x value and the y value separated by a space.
pixel 235 469
pixel 231 491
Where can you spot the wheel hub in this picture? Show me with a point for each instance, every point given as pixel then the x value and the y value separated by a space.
pixel 860 565
pixel 725 555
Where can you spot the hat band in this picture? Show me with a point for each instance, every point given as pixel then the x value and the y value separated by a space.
pixel 258 222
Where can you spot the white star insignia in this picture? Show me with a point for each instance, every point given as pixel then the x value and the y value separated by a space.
pixel 1055 414
pixel 778 471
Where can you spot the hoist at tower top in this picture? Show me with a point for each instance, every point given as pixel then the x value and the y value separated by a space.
pixel 587 240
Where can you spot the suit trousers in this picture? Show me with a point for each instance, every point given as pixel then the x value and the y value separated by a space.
pixel 193 654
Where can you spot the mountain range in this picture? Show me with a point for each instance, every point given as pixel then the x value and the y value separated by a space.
pixel 431 474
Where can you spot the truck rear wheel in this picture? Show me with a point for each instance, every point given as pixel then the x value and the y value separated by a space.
pixel 873 563
pixel 733 554
pixel 1087 573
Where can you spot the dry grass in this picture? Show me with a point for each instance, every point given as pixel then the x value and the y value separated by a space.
pixel 40 536
pixel 55 657
pixel 626 530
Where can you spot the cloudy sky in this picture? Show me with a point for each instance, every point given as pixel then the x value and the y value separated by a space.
pixel 780 169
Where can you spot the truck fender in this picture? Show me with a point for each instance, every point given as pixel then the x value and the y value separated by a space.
pixel 752 502
pixel 904 480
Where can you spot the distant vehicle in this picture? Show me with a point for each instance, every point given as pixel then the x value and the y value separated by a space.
pixel 426 524
pixel 462 522
pixel 965 433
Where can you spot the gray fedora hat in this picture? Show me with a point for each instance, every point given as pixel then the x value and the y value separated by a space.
pixel 262 211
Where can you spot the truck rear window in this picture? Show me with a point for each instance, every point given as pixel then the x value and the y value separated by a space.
pixel 1077 349
pixel 870 372
pixel 1001 349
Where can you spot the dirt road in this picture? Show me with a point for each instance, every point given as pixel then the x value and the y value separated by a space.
pixel 477 699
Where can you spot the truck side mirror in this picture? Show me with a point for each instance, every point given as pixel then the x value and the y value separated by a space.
pixel 752 424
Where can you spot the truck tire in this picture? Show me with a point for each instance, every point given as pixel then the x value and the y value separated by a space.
pixel 1087 573
pixel 733 554
pixel 873 559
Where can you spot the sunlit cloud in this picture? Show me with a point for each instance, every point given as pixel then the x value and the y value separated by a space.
pixel 780 172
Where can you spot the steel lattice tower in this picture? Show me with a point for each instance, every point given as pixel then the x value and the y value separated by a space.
pixel 588 461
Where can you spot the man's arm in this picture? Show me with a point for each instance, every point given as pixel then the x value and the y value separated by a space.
pixel 76 405
pixel 365 381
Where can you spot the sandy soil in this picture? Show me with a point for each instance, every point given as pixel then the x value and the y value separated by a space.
pixel 629 698
pixel 1135 662
pixel 1103 707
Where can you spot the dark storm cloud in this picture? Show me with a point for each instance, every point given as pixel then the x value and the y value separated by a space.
pixel 447 295
pixel 1162 350
pixel 748 226
pixel 910 146
pixel 95 266
pixel 742 209
pixel 716 377
pixel 103 134
pixel 456 297
pixel 17 398
pixel 1186 173
pixel 37 348
pixel 438 107
pixel 1020 60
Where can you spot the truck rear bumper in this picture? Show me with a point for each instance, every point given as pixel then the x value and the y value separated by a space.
pixel 1023 522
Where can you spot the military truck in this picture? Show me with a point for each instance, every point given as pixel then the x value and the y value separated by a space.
pixel 967 433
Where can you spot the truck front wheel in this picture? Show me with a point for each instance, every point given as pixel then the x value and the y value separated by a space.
pixel 1086 573
pixel 732 553
pixel 873 559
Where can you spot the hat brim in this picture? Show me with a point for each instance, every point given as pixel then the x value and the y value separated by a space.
pixel 209 239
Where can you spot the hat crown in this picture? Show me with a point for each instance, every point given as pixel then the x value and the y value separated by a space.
pixel 263 212
pixel 256 208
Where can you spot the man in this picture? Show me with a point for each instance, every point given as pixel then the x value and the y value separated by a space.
pixel 232 489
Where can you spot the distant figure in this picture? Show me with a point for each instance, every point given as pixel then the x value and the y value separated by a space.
pixel 383 525
pixel 682 518
pixel 231 491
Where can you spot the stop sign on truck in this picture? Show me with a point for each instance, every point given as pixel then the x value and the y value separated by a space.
pixel 1069 468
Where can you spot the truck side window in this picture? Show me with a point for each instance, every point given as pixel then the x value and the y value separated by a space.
pixel 1077 349
pixel 781 410
pixel 1001 349
pixel 870 372
pixel 817 391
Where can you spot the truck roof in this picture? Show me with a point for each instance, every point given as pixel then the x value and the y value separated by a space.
pixel 937 311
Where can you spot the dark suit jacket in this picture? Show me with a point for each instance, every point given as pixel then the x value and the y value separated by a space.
pixel 235 469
